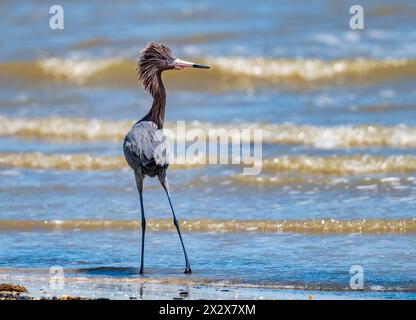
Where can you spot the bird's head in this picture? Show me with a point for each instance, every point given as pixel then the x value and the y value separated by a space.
pixel 156 58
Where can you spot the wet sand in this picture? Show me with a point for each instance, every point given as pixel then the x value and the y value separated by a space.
pixel 146 288
pixel 138 289
pixel 337 187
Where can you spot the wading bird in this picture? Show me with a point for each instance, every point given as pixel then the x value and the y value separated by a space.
pixel 145 147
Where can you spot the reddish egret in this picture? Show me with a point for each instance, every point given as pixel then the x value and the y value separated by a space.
pixel 144 146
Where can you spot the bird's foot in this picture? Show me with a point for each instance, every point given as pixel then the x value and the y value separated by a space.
pixel 188 270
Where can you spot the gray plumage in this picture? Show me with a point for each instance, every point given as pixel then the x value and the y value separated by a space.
pixel 145 147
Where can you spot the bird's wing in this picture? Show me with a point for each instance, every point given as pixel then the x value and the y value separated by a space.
pixel 145 144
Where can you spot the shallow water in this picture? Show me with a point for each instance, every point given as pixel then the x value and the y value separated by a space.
pixel 276 261
pixel 337 110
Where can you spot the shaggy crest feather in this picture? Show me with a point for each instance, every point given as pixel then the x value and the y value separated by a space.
pixel 154 59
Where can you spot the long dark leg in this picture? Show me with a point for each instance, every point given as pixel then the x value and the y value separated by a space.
pixel 139 184
pixel 164 181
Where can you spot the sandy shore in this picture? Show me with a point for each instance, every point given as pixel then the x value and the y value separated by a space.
pixel 38 286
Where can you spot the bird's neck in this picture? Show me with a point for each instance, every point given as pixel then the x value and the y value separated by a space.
pixel 157 112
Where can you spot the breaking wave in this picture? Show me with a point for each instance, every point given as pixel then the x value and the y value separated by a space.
pixel 37 160
pixel 223 226
pixel 226 72
pixel 400 136
pixel 341 165
pixel 331 165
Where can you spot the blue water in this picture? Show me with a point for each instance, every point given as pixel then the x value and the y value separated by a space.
pixel 202 30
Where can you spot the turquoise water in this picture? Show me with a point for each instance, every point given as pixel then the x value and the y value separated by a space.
pixel 327 94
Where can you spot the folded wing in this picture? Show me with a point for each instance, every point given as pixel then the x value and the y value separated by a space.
pixel 146 145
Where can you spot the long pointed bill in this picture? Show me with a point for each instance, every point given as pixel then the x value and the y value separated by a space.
pixel 180 64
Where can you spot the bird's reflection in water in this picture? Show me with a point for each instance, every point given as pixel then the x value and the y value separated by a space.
pixel 141 291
